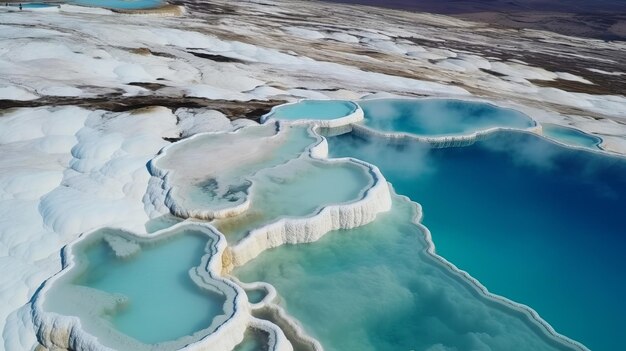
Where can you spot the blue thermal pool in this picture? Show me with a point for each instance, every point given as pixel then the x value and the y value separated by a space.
pixel 439 117
pixel 375 288
pixel 533 221
pixel 570 136
pixel 148 296
pixel 256 295
pixel 36 5
pixel 121 4
pixel 314 110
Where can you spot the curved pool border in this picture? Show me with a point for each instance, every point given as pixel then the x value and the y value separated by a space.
pixel 54 330
pixel 168 188
pixel 164 9
pixel 598 145
pixel 529 313
pixel 526 311
pixel 374 198
pixel 444 141
pixel 530 316
pixel 355 116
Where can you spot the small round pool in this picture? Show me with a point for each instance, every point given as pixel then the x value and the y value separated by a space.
pixel 120 4
pixel 313 110
pixel 37 5
pixel 570 136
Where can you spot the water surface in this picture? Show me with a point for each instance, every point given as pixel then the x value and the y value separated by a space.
pixel 570 136
pixel 533 221
pixel 439 117
pixel 374 288
pixel 299 188
pixel 314 109
pixel 148 296
pixel 120 4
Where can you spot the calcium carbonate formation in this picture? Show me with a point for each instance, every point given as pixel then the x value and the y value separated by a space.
pixel 231 181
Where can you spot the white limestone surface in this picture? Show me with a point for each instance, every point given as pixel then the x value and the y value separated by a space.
pixel 65 170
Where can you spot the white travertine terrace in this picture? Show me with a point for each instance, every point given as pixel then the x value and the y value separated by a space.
pixel 55 331
pixel 376 199
pixel 89 52
pixel 65 332
pixel 230 153
pixel 228 160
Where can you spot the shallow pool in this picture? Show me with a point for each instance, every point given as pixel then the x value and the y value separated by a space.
pixel 533 221
pixel 314 110
pixel 254 340
pixel 296 189
pixel 36 5
pixel 120 4
pixel 209 173
pixel 439 117
pixel 149 296
pixel 570 136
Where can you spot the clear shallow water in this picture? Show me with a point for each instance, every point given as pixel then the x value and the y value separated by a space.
pixel 35 5
pixel 120 4
pixel 253 341
pixel 375 288
pixel 210 172
pixel 162 222
pixel 256 295
pixel 533 221
pixel 314 109
pixel 296 189
pixel 570 136
pixel 161 304
pixel 439 117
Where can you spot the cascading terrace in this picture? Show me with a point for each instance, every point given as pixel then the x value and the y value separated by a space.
pixel 249 199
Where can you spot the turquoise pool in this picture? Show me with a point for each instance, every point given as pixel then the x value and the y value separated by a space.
pixel 121 4
pixel 36 5
pixel 439 117
pixel 297 189
pixel 314 110
pixel 570 136
pixel 148 296
pixel 375 288
pixel 533 221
